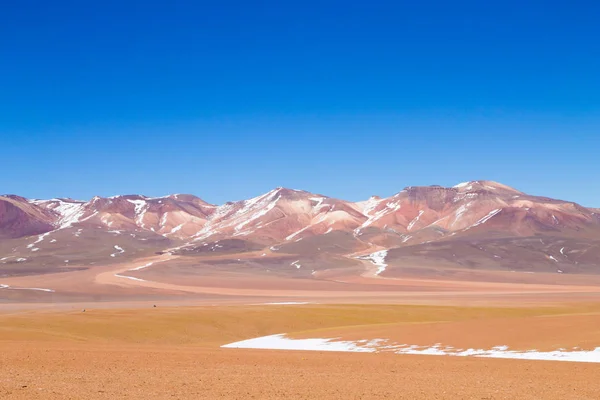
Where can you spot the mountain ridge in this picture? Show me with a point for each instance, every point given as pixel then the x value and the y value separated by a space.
pixel 476 224
pixel 297 212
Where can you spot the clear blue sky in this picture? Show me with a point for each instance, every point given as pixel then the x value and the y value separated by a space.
pixel 228 99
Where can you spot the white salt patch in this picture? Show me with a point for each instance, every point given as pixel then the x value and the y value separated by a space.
pixel 281 342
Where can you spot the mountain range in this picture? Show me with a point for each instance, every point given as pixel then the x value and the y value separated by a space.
pixel 477 224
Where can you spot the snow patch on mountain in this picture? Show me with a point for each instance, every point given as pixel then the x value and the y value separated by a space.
pixel 141 206
pixel 258 214
pixel 487 217
pixel 460 212
pixel 177 228
pixel 70 212
pixel 377 258
pixel 389 208
pixel 120 250
pixel 318 200
pixel 414 221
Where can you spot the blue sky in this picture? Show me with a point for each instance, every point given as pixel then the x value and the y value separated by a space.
pixel 227 100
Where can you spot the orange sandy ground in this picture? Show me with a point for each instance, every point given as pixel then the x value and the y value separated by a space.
pixel 174 353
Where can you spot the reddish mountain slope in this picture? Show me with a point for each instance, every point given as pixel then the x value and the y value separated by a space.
pixel 444 224
pixel 414 215
pixel 19 218
pixel 429 213
pixel 175 216
pixel 281 215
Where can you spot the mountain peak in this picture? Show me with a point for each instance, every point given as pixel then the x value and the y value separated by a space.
pixel 286 192
pixel 483 185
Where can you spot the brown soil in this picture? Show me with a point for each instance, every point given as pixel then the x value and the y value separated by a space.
pixel 157 353
pixel 123 347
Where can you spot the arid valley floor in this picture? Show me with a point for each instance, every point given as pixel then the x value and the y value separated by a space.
pixel 154 338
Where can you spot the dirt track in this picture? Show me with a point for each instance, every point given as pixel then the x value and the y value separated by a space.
pixel 128 280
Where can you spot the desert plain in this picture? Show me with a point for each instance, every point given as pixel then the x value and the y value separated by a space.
pixel 156 338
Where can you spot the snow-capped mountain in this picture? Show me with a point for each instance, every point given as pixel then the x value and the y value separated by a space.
pixel 471 207
pixel 176 215
pixel 478 223
pixel 281 215
pixel 284 215
pixel 414 215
